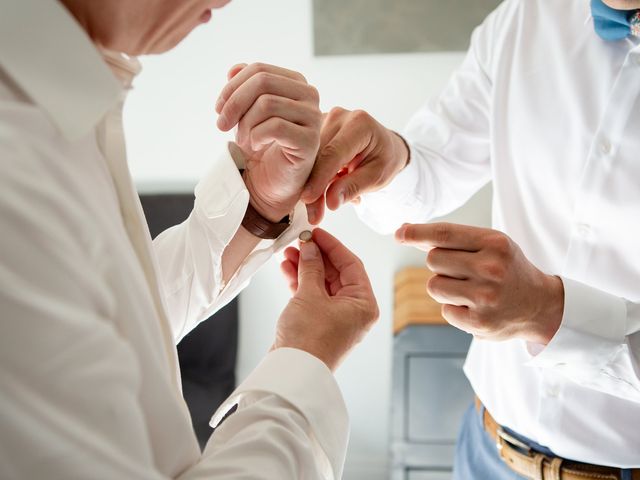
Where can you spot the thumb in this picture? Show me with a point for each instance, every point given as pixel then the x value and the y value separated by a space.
pixel 310 268
pixel 349 187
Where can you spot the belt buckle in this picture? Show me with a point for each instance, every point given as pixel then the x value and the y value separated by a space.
pixel 503 437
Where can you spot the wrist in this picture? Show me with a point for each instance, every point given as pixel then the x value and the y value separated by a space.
pixel 269 212
pixel 548 319
pixel 330 359
pixel 402 151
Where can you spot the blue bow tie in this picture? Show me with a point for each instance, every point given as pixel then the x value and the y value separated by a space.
pixel 612 24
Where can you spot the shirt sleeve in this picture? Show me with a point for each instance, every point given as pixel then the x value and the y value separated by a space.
pixel 301 388
pixel 190 254
pixel 73 381
pixel 449 141
pixel 598 343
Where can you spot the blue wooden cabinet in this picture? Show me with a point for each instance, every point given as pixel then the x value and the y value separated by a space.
pixel 430 395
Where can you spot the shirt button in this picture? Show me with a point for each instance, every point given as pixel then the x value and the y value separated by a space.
pixel 553 391
pixel 605 147
pixel 583 229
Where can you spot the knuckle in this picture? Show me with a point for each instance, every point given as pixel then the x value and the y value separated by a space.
pixel 500 244
pixel 486 297
pixel 263 80
pixel 328 152
pixel 433 286
pixel 410 233
pixel 442 232
pixel 335 113
pixel 267 102
pixel 359 116
pixel 432 258
pixel 279 126
pixel 493 271
pixel 232 108
pixel 351 190
pixel 314 94
pixel 259 67
pixel 225 93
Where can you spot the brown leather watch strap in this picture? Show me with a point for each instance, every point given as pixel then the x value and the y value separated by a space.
pixel 259 226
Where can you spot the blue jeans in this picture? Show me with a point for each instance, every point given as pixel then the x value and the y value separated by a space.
pixel 477 456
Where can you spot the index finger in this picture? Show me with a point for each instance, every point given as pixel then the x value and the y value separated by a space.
pixel 249 71
pixel 442 235
pixel 351 140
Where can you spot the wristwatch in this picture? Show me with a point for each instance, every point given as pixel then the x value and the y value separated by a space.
pixel 259 226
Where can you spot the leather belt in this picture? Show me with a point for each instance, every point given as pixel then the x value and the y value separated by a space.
pixel 535 466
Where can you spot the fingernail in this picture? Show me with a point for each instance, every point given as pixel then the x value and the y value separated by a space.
pixel 400 234
pixel 341 197
pixel 222 122
pixel 311 212
pixel 308 251
pixel 218 104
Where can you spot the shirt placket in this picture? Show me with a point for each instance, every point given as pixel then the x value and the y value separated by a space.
pixel 585 233
pixel 114 149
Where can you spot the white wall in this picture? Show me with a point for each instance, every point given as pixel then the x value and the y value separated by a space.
pixel 173 140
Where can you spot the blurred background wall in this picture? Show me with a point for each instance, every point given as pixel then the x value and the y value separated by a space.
pixel 172 138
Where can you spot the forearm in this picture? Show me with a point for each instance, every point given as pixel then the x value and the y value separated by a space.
pixel 205 266
pixel 238 249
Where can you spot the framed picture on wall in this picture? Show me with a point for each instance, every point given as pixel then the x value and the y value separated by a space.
pixel 347 27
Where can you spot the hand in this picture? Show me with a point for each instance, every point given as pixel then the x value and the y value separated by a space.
pixel 333 305
pixel 278 119
pixel 357 155
pixel 486 285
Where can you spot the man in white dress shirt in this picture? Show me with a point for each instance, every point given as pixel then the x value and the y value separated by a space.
pixel 91 310
pixel 548 110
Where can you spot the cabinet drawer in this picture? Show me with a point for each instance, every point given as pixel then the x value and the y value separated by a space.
pixel 438 394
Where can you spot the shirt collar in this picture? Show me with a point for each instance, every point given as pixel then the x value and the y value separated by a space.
pixel 52 59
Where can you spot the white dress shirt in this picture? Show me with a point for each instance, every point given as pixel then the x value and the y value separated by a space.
pixel 550 113
pixel 90 309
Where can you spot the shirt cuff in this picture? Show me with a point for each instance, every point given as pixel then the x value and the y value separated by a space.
pixel 379 210
pixel 222 198
pixel 592 331
pixel 307 384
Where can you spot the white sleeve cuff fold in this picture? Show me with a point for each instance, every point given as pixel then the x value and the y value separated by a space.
pixel 592 331
pixel 380 209
pixel 222 199
pixel 305 382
